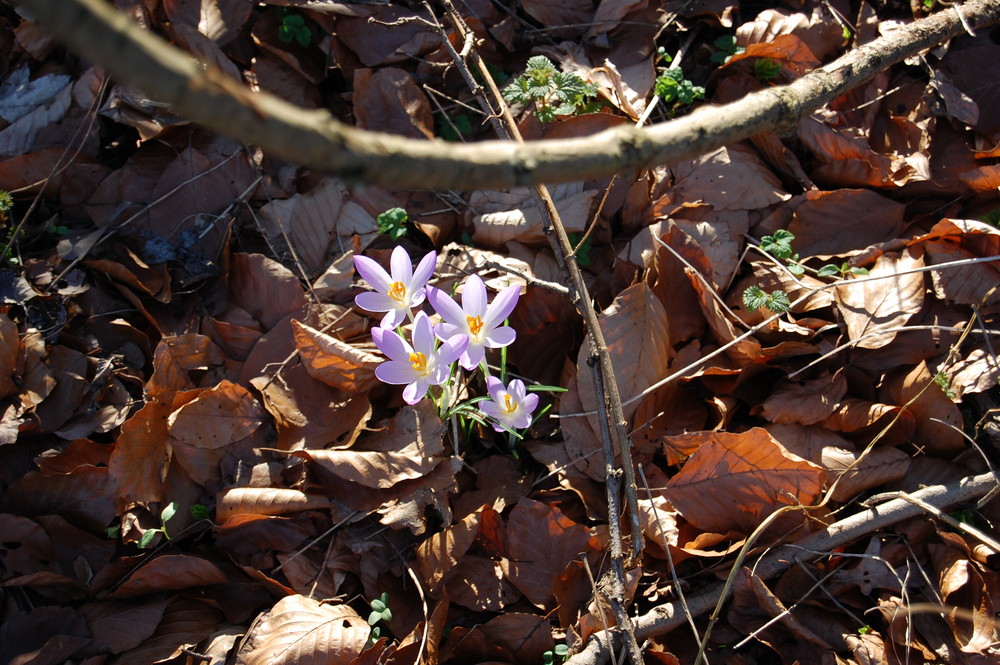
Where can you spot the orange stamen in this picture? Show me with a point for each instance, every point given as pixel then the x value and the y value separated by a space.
pixel 397 291
pixel 475 325
pixel 509 403
pixel 419 362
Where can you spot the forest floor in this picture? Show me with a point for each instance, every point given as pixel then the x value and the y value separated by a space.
pixel 201 460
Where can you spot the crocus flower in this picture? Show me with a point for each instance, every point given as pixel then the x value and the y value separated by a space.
pixel 398 293
pixel 511 406
pixel 419 366
pixel 481 322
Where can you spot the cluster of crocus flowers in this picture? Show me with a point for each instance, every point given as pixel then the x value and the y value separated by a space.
pixel 465 332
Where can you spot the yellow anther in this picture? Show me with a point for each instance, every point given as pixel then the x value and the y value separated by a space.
pixel 397 291
pixel 475 325
pixel 419 362
pixel 509 403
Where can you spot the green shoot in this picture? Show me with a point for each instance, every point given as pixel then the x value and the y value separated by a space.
pixel 392 223
pixel 992 217
pixel 843 270
pixel 380 613
pixel 780 247
pixel 673 87
pixel 755 297
pixel 168 512
pixel 766 69
pixel 200 512
pixel 727 49
pixel 941 379
pixel 554 93
pixel 293 28
pixel 556 655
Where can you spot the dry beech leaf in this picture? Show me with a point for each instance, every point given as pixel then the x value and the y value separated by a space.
pixel 219 20
pixel 185 622
pixel 543 542
pixel 869 307
pixel 118 626
pixel 438 554
pixel 733 481
pixel 217 417
pixel 835 222
pixel 805 402
pixel 301 631
pixel 500 217
pixel 139 460
pixel 10 346
pixel 389 100
pixel 731 178
pixel 917 392
pixel 265 501
pixel 170 572
pixel 334 362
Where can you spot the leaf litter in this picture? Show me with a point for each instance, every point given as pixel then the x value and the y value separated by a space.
pixel 178 331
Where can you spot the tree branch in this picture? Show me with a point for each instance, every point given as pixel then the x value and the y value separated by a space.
pixel 664 618
pixel 313 138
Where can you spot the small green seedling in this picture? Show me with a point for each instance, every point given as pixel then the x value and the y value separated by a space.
pixel 556 655
pixel 672 86
pixel 755 297
pixel 727 49
pixel 843 270
pixel 780 247
pixel 864 630
pixel 392 223
pixel 200 512
pixel 168 512
pixel 766 69
pixel 380 612
pixel 992 217
pixel 941 379
pixel 554 93
pixel 293 28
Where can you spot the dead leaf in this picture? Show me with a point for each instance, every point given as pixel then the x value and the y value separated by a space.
pixel 805 402
pixel 733 481
pixel 217 417
pixel 871 307
pixel 299 630
pixel 334 362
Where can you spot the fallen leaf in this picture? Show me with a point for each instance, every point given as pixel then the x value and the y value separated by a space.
pixel 733 481
pixel 300 630
pixel 873 309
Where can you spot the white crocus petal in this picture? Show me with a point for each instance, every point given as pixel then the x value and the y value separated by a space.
pixel 511 406
pixel 396 293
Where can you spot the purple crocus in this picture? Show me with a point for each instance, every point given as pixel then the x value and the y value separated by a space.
pixel 510 406
pixel 421 365
pixel 398 293
pixel 482 322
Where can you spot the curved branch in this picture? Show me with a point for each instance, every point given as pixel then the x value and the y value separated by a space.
pixel 138 58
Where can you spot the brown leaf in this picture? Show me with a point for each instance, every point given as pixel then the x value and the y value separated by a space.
pixel 217 417
pixel 438 554
pixel 185 622
pixel 870 307
pixel 265 501
pixel 710 179
pixel 118 626
pixel 301 631
pixel 334 362
pixel 829 223
pixel 543 542
pixel 219 20
pixel 502 217
pixel 170 572
pixel 805 402
pixel 733 481
pixel 917 392
pixel 389 100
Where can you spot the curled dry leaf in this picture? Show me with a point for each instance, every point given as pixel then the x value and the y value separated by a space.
pixel 334 362
pixel 300 631
pixel 265 501
pixel 170 572
pixel 733 481
pixel 501 217
pixel 805 402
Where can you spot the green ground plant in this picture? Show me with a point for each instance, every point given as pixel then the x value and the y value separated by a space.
pixel 553 93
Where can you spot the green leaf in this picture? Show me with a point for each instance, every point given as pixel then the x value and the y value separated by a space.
pixel 766 69
pixel 147 538
pixel 754 298
pixel 169 511
pixel 200 512
pixel 829 270
pixel 374 618
pixel 778 302
pixel 561 650
pixel 387 614
pixel 796 269
pixel 378 605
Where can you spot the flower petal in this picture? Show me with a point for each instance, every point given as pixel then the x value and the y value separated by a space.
pixel 374 302
pixel 446 331
pixel 529 403
pixel 494 387
pixel 395 373
pixel 473 355
pixel 474 296
pixel 516 390
pixel 501 307
pixel 391 344
pixel 452 348
pixel 393 318
pixel 447 308
pixel 424 270
pixel 490 409
pixel 414 392
pixel 373 273
pixel 498 337
pixel 423 335
pixel 401 266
